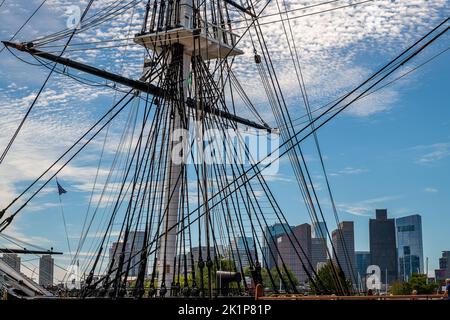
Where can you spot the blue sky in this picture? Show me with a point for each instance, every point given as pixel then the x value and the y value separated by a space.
pixel 390 150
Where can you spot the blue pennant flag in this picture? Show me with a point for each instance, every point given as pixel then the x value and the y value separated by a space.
pixel 61 190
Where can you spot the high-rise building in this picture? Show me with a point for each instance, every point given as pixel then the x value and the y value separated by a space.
pixel 319 230
pixel 410 247
pixel 319 254
pixel 383 248
pixel 344 244
pixel 269 240
pixel 243 251
pixel 115 252
pixel 136 240
pixel 444 267
pixel 218 251
pixel 362 262
pixel 46 266
pixel 12 260
pixel 131 251
pixel 444 260
pixel 293 251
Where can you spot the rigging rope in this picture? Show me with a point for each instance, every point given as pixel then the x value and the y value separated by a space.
pixel 64 219
pixel 25 23
pixel 30 108
pixel 406 59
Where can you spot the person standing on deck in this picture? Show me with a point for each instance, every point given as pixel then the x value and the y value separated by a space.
pixel 447 289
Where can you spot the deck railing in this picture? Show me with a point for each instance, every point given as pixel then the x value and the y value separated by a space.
pixel 222 35
pixel 259 295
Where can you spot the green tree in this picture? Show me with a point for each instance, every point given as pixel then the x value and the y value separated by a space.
pixel 289 280
pixel 416 282
pixel 224 265
pixel 419 282
pixel 264 275
pixel 400 288
pixel 327 282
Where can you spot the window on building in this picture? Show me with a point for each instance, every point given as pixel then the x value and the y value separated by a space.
pixel 406 250
pixel 405 228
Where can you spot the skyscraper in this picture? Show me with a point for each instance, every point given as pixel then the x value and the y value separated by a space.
pixel 269 250
pixel 12 260
pixel 444 267
pixel 410 247
pixel 114 255
pixel 319 254
pixel 319 230
pixel 243 251
pixel 136 241
pixel 383 248
pixel 292 255
pixel 362 262
pixel 132 252
pixel 344 243
pixel 46 265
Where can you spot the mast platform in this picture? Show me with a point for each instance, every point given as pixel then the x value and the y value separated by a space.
pixel 215 42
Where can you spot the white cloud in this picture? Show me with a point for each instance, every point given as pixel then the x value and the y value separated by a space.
pixel 42 206
pixel 94 235
pixel 366 207
pixel 278 178
pixel 430 190
pixel 355 209
pixel 331 45
pixel 432 153
pixel 25 239
pixel 349 171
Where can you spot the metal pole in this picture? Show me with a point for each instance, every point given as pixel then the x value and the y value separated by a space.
pixel 386 285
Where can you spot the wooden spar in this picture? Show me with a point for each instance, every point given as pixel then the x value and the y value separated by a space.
pixel 136 84
pixel 25 251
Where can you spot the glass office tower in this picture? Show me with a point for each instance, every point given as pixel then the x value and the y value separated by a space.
pixel 410 246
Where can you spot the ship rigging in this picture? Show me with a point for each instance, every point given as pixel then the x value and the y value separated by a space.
pixel 179 219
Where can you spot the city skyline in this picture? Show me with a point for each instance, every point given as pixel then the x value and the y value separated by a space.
pixel 407 235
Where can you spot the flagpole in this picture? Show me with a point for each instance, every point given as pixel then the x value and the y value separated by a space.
pixel 61 191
